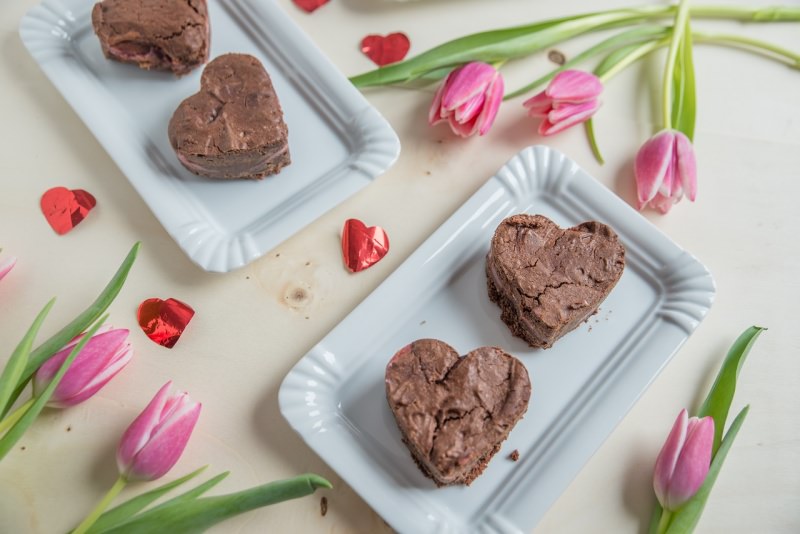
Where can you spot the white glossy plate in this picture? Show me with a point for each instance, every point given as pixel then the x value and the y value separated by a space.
pixel 582 387
pixel 338 141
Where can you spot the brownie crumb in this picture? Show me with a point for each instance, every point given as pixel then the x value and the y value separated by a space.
pixel 323 506
pixel 422 323
pixel 69 428
pixel 514 456
pixel 22 448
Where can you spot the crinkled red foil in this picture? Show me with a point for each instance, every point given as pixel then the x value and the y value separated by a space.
pixel 65 208
pixel 386 49
pixel 363 246
pixel 163 321
pixel 310 6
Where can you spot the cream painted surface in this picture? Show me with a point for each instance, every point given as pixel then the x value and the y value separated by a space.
pixel 252 325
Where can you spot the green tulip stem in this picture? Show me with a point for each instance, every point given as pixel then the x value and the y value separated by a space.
pixel 15 416
pixel 663 523
pixel 669 70
pixel 633 57
pixel 748 43
pixel 95 514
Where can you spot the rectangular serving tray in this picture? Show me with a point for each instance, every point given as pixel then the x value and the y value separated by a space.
pixel 339 143
pixel 582 387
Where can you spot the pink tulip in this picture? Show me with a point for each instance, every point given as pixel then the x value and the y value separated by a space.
pixel 103 356
pixel 683 463
pixel 6 265
pixel 571 97
pixel 665 170
pixel 155 440
pixel 468 99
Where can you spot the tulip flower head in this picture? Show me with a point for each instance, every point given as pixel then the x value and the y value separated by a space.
pixel 103 356
pixel 570 98
pixel 468 99
pixel 683 463
pixel 157 437
pixel 665 170
pixel 6 265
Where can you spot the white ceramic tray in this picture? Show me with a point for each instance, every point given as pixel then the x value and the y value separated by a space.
pixel 582 387
pixel 338 142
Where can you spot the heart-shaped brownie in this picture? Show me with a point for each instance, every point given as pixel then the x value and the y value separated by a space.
pixel 455 412
pixel 154 34
pixel 233 127
pixel 547 279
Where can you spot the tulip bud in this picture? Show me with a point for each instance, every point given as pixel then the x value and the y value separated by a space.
pixel 103 356
pixel 570 98
pixel 155 440
pixel 6 265
pixel 468 99
pixel 665 170
pixel 683 463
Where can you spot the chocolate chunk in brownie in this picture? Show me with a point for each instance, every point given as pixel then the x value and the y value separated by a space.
pixel 154 34
pixel 233 127
pixel 454 412
pixel 548 279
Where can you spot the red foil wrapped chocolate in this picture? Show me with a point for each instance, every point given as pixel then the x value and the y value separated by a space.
pixel 310 6
pixel 163 321
pixel 384 50
pixel 363 246
pixel 65 208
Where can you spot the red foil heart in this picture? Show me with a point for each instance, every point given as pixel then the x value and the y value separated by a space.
pixel 164 321
pixel 310 6
pixel 363 247
pixel 385 50
pixel 65 208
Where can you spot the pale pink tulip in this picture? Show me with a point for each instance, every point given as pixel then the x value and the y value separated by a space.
pixel 665 170
pixel 468 99
pixel 571 97
pixel 103 356
pixel 6 265
pixel 683 463
pixel 155 440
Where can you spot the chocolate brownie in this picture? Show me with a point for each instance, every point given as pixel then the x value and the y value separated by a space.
pixel 547 279
pixel 154 34
pixel 454 412
pixel 233 127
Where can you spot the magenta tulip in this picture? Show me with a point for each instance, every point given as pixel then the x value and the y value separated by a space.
pixel 155 440
pixel 665 170
pixel 570 98
pixel 103 356
pixel 468 99
pixel 6 265
pixel 683 463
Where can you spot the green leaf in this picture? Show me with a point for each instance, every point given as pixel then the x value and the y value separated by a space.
pixel 685 519
pixel 589 125
pixel 200 514
pixel 77 325
pixel 622 39
pixel 16 432
pixel 655 519
pixel 194 492
pixel 503 44
pixel 12 372
pixel 718 402
pixel 126 510
pixel 684 105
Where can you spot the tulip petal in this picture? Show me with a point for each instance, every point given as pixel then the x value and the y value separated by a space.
pixel 687 165
pixel 139 431
pixel 574 86
pixel 492 105
pixel 435 113
pixel 693 464
pixel 167 443
pixel 539 105
pixel 466 82
pixel 651 165
pixel 121 358
pixel 6 265
pixel 668 457
pixel 470 109
pixel 567 115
